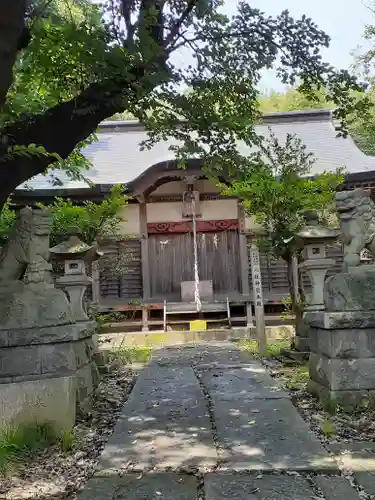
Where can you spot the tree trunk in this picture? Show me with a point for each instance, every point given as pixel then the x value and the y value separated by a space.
pixel 12 14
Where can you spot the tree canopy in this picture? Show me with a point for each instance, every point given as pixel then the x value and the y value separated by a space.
pixel 66 65
pixel 277 188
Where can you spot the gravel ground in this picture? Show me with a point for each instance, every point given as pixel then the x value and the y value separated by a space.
pixel 356 427
pixel 338 428
pixel 55 475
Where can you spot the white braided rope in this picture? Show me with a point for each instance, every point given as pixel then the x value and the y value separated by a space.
pixel 197 297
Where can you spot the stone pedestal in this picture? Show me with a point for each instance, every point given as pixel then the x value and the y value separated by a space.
pixel 342 342
pixel 317 270
pixel 46 366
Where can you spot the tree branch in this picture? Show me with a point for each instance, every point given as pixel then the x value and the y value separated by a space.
pixel 177 25
pixel 62 127
pixel 12 14
pixel 126 11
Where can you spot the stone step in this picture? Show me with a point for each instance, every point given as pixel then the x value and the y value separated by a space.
pixel 165 423
pixel 257 426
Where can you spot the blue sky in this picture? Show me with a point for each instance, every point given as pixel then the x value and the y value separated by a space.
pixel 343 20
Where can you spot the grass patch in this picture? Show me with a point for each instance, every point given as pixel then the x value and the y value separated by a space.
pixel 131 354
pixel 273 348
pixel 294 377
pixel 327 428
pixel 20 443
pixel 66 441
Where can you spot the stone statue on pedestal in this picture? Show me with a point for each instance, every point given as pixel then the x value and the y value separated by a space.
pixel 342 337
pixel 46 366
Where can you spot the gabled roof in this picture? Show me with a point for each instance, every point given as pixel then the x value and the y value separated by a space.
pixel 117 158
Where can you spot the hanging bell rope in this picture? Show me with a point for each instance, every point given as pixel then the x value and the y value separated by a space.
pixel 197 297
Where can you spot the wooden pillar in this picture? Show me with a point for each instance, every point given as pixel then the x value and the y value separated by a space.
pixel 95 286
pixel 244 258
pixel 145 319
pixel 144 251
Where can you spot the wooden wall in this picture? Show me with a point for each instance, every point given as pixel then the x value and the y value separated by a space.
pixel 172 261
pixel 274 273
pixel 125 257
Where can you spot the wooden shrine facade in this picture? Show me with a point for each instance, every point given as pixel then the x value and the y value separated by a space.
pixel 149 264
pixel 158 253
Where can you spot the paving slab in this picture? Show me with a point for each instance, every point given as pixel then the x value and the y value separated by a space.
pixel 336 488
pixel 250 381
pixel 165 423
pixel 352 446
pixel 153 486
pixel 224 353
pixel 266 434
pixel 99 489
pixel 269 487
pixel 367 480
pixel 166 486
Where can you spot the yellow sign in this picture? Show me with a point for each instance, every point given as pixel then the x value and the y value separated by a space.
pixel 198 325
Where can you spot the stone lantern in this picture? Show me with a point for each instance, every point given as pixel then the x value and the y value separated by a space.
pixel 313 239
pixel 75 254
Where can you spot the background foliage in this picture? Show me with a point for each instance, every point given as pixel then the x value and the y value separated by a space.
pixel 93 220
pixel 277 188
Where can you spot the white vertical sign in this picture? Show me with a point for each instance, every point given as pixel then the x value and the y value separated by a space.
pixel 258 299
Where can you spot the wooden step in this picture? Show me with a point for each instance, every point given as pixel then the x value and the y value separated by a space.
pixel 122 325
pixel 191 308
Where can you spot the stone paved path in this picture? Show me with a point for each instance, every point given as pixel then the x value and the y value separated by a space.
pixel 207 423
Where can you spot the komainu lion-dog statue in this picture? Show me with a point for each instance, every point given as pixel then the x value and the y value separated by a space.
pixel 356 212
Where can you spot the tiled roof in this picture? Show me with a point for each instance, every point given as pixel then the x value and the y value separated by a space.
pixel 117 158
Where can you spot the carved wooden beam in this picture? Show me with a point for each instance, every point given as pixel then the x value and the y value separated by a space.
pixel 203 226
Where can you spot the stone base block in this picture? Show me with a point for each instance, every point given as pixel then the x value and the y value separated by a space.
pixel 341 319
pixel 347 399
pixel 343 343
pixel 301 344
pixel 87 379
pixel 53 359
pixel 351 291
pixel 339 374
pixel 47 334
pixel 49 400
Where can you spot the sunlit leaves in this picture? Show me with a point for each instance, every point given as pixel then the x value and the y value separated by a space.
pixel 7 221
pixel 278 185
pixel 93 220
